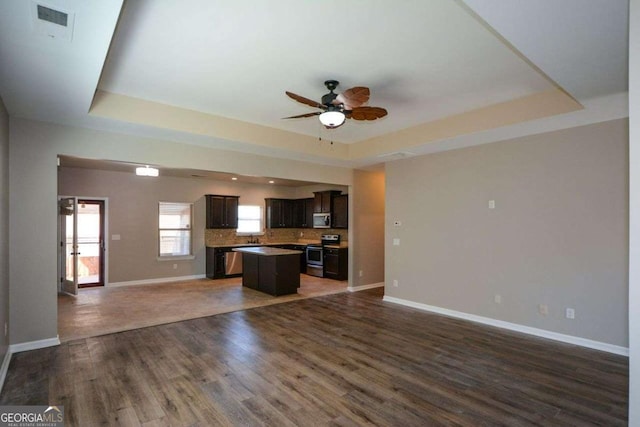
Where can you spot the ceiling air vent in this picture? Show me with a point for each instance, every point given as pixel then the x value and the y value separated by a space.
pixel 53 16
pixel 52 23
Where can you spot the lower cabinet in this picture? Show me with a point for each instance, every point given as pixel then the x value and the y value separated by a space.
pixel 215 262
pixel 336 263
pixel 274 275
pixel 303 255
pixel 215 265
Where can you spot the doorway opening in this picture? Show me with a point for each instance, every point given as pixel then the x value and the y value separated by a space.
pixel 82 243
pixel 90 243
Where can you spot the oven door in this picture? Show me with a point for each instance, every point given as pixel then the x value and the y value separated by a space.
pixel 314 255
pixel 314 261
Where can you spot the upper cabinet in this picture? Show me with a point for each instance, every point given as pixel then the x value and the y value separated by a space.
pixel 303 213
pixel 298 213
pixel 279 213
pixel 222 211
pixel 340 214
pixel 323 201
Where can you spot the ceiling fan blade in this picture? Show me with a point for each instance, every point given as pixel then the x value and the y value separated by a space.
pixel 354 97
pixel 300 116
pixel 366 113
pixel 304 100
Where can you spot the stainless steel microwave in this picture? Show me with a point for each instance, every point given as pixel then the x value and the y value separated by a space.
pixel 321 220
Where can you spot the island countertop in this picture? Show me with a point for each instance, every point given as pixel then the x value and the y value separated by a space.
pixel 267 251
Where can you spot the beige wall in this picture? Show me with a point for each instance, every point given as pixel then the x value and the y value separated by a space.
pixel 34 147
pixel 4 227
pixel 557 236
pixel 367 223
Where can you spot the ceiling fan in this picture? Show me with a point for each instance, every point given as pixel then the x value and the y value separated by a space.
pixel 338 107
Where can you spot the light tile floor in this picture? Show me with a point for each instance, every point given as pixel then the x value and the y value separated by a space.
pixel 100 311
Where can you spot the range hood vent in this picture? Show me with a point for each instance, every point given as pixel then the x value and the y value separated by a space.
pixel 52 23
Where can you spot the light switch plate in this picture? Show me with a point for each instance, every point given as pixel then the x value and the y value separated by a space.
pixel 396 242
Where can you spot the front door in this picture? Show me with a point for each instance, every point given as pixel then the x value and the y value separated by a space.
pixel 68 248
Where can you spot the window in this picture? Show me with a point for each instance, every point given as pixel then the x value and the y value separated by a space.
pixel 174 229
pixel 249 219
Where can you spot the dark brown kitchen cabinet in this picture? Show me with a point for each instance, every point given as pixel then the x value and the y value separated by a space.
pixel 279 213
pixel 222 211
pixel 323 201
pixel 274 275
pixel 215 268
pixel 303 213
pixel 335 263
pixel 303 255
pixel 340 216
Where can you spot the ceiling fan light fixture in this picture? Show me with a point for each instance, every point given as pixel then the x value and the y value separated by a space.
pixel 332 119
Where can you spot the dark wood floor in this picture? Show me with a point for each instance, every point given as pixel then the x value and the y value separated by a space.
pixel 345 359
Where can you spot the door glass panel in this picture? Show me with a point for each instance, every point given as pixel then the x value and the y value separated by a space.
pixel 89 243
pixel 69 247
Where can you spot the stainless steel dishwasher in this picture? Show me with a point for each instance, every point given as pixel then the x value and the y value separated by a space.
pixel 232 263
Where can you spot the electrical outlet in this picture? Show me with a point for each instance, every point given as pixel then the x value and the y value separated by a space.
pixel 396 241
pixel 6 329
pixel 175 266
pixel 395 283
pixel 497 298
pixel 360 273
pixel 492 204
pixel 570 313
pixel 543 309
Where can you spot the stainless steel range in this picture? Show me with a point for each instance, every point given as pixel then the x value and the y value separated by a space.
pixel 315 255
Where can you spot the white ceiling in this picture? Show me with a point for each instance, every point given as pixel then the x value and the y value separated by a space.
pixel 424 60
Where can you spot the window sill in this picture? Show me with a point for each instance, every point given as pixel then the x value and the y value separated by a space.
pixel 176 258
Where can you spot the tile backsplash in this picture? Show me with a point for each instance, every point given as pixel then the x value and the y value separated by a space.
pixel 220 236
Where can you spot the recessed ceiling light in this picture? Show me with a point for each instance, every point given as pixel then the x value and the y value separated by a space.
pixel 270 182
pixel 234 179
pixel 146 171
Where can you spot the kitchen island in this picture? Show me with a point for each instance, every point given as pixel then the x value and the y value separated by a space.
pixel 271 270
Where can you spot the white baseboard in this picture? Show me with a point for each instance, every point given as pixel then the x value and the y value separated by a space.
pixel 34 345
pixel 569 339
pixel 155 281
pixel 5 368
pixel 363 287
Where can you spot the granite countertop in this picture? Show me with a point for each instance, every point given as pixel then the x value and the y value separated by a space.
pixel 300 243
pixel 239 245
pixel 267 251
